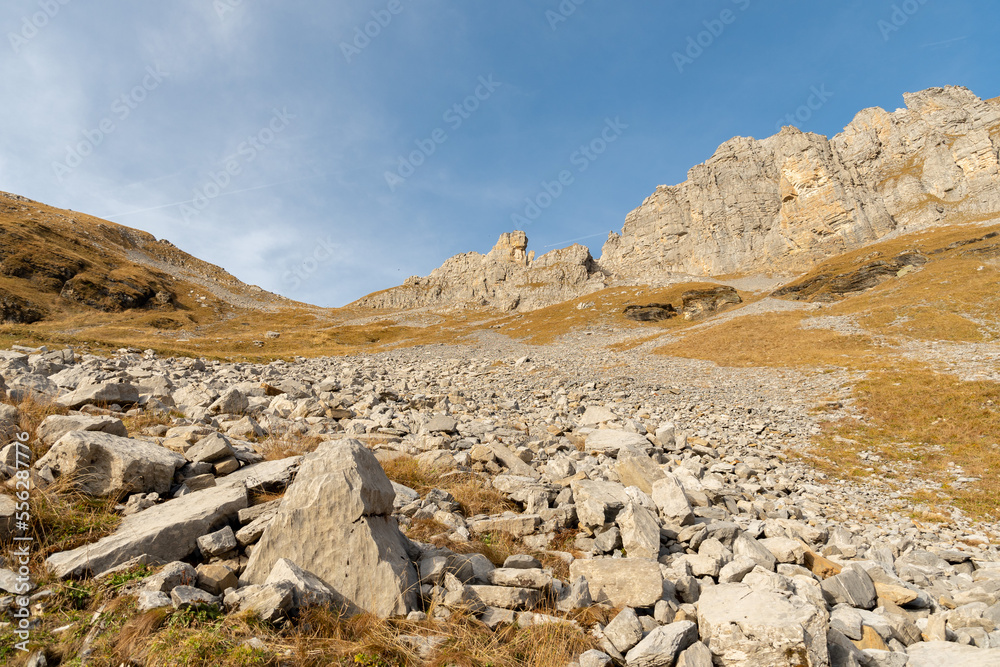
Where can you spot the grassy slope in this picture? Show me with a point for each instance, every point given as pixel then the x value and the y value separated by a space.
pixel 42 245
pixel 921 420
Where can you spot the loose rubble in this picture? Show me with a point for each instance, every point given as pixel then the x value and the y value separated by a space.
pixel 664 489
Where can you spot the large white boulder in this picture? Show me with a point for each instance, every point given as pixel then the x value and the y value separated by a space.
pixel 335 522
pixel 101 464
pixel 620 582
pixel 745 627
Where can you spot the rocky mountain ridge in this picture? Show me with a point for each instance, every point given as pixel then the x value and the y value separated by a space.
pixel 507 278
pixel 777 205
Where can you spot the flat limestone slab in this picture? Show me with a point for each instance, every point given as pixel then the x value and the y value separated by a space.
pixel 752 628
pixel 621 582
pixel 609 441
pixel 169 531
pixel 937 654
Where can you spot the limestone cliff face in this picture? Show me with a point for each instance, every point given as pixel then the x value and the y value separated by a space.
pixel 780 205
pixel 507 278
pixel 787 201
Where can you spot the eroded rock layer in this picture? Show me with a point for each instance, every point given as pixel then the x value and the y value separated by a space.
pixel 787 201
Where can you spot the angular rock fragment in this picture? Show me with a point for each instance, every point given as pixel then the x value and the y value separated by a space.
pixel 307 588
pixel 54 427
pixel 662 646
pixel 853 586
pixel 342 494
pixel 100 394
pixel 168 531
pixel 101 464
pixel 640 531
pixel 624 631
pixel 610 441
pixel 219 542
pixel 673 504
pixel 621 582
pixel 753 628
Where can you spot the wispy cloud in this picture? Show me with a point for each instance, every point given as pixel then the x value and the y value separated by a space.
pixel 947 42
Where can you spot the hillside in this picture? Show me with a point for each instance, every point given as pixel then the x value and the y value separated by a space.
pixel 56 264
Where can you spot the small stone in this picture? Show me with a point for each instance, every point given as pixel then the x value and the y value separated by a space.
pixel 595 658
pixel 189 596
pixel 673 504
pixel 219 542
pixel 522 562
pixel 210 449
pixel 853 586
pixel 216 578
pixel 177 573
pixel 624 631
pixel 307 588
pixel 226 466
pixel 662 646
pixel 505 597
pixel 150 600
pixel 696 655
pixel 494 617
pixel 574 596
pixel 520 578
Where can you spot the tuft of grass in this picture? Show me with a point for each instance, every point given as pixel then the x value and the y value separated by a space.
pixel 140 422
pixel 287 444
pixel 63 518
pixel 468 490
pixel 32 412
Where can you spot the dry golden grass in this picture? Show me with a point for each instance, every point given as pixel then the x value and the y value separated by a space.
pixel 64 518
pixel 318 637
pixel 947 299
pixel 468 490
pixel 283 445
pixel 950 298
pixel 144 420
pixel 774 339
pixel 32 412
pixel 925 421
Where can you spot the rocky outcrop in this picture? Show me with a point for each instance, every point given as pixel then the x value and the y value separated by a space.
pixel 830 287
pixel 782 203
pixel 697 303
pixel 653 312
pixel 509 277
pixel 15 310
pixel 779 204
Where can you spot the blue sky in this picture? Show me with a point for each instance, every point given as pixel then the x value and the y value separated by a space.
pixel 258 134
